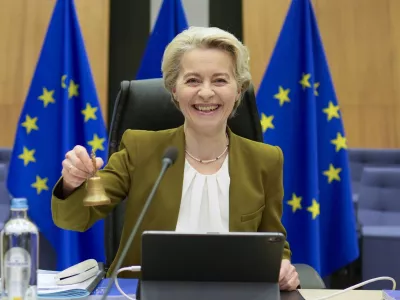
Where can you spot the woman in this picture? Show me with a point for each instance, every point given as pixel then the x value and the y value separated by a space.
pixel 206 71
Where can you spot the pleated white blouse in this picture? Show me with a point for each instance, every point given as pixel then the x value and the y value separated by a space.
pixel 205 201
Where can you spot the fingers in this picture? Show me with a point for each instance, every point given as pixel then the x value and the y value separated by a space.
pixel 73 169
pixel 288 277
pixel 84 162
pixel 284 269
pixel 99 162
pixel 77 166
pixel 71 181
pixel 292 283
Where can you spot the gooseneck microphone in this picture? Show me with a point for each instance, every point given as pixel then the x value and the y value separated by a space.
pixel 169 158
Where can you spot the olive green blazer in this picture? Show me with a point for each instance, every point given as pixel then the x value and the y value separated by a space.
pixel 256 188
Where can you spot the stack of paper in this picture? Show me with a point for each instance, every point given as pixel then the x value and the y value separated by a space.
pixel 49 289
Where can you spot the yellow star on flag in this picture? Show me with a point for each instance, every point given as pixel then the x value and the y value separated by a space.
pixel 314 209
pixel 27 156
pixel 266 122
pixel 332 173
pixel 305 81
pixel 89 112
pixel 316 86
pixel 282 96
pixel 97 143
pixel 40 184
pixel 339 142
pixel 63 78
pixel 30 124
pixel 295 202
pixel 72 89
pixel 331 111
pixel 47 97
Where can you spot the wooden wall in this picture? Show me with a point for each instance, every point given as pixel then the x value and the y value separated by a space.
pixel 362 44
pixel 23 24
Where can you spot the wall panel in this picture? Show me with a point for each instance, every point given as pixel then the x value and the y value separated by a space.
pixel 362 44
pixel 23 25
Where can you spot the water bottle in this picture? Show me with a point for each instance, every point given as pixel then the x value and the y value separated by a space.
pixel 19 245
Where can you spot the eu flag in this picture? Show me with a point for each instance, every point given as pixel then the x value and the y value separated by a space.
pixel 61 110
pixel 299 112
pixel 171 20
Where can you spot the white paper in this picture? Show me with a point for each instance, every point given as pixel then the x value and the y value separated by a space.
pixel 47 283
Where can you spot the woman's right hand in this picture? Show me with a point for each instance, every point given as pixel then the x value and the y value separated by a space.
pixel 77 167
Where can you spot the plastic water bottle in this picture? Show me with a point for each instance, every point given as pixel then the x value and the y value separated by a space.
pixel 19 245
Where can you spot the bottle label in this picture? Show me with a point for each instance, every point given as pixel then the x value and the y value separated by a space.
pixel 17 263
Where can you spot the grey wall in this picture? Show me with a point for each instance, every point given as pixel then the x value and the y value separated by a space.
pixel 197 12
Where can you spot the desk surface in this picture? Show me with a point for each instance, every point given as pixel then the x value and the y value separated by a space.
pixel 353 295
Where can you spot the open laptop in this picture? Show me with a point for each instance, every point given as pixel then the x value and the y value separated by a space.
pixel 210 266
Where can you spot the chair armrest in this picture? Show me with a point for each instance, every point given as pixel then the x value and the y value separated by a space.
pixel 381 232
pixel 309 278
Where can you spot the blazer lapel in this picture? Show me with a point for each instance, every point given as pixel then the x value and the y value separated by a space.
pixel 235 195
pixel 172 184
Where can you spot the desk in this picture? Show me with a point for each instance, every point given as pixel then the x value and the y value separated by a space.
pixel 350 295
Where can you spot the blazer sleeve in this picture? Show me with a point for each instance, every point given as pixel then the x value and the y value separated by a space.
pixel 272 215
pixel 70 213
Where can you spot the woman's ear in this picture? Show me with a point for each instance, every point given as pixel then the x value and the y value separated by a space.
pixel 174 92
pixel 239 93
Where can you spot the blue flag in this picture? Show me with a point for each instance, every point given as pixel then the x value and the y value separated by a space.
pixel 299 112
pixel 61 110
pixel 171 20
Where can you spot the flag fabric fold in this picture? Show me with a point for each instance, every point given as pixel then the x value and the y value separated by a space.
pixel 61 110
pixel 171 20
pixel 299 112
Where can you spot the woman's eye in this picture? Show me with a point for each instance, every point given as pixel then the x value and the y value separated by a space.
pixel 221 80
pixel 192 80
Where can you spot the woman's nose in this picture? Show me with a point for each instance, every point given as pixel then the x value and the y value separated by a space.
pixel 206 92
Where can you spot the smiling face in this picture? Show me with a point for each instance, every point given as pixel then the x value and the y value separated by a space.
pixel 206 89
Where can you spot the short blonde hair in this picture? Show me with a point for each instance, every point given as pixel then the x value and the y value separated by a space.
pixel 206 37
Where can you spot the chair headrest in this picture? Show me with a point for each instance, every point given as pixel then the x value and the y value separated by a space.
pixel 388 177
pixel 147 105
pixel 374 156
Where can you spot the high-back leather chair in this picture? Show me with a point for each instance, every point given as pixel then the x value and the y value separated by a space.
pixel 367 157
pixel 379 215
pixel 146 104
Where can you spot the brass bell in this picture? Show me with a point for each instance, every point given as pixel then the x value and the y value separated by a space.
pixel 96 195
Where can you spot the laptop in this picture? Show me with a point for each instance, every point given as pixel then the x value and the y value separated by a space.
pixel 234 266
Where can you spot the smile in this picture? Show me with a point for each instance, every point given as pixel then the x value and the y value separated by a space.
pixel 206 108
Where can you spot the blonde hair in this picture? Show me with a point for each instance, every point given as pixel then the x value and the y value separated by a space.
pixel 206 37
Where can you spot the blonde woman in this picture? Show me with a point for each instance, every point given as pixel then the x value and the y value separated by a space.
pixel 220 181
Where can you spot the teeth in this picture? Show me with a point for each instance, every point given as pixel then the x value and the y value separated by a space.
pixel 206 108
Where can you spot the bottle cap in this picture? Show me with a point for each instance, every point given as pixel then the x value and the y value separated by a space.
pixel 19 203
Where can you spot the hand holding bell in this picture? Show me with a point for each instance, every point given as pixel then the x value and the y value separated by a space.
pixel 77 168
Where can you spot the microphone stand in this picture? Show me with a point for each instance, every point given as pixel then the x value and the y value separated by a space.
pixel 166 163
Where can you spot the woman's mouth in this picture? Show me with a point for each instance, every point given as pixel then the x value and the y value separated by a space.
pixel 206 108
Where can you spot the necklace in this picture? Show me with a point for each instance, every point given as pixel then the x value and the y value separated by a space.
pixel 210 160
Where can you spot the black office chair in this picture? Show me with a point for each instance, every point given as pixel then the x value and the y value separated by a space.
pixel 146 104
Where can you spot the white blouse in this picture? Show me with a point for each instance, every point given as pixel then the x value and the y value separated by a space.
pixel 205 201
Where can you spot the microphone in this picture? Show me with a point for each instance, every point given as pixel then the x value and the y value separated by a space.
pixel 169 158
